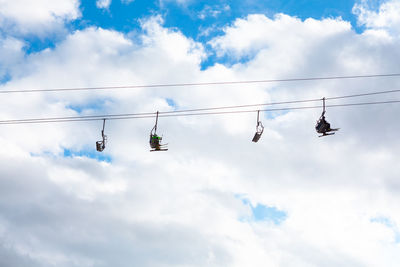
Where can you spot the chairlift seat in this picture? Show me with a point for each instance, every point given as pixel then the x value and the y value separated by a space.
pixel 256 137
pixel 155 141
pixel 323 126
pixel 100 146
pixel 259 129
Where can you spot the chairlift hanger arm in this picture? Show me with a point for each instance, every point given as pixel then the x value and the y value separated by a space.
pixel 323 108
pixel 154 129
pixel 104 125
pixel 259 123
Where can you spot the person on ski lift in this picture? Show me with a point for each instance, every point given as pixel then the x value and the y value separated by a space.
pixel 155 141
pixel 323 125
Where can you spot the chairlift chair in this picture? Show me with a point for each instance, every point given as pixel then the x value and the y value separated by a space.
pixel 155 140
pixel 101 145
pixel 259 129
pixel 323 127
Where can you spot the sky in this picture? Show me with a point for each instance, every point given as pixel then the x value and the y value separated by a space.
pixel 214 198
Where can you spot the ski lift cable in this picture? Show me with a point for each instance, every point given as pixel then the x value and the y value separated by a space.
pixel 284 102
pixel 44 120
pixel 282 109
pixel 30 121
pixel 199 83
pixel 89 118
pixel 151 114
pixel 110 116
pixel 364 94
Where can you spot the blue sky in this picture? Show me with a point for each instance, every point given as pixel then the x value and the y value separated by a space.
pixel 194 17
pixel 123 17
pixel 187 17
pixel 260 213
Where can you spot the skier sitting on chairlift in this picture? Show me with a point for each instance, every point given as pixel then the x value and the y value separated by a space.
pixel 155 140
pixel 323 127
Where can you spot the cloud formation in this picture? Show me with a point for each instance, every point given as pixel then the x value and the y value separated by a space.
pixel 184 207
pixel 387 17
pixel 36 17
pixel 103 4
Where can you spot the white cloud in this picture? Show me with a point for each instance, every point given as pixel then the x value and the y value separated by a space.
pixel 36 17
pixel 127 1
pixel 265 33
pixel 386 18
pixel 179 2
pixel 180 207
pixel 11 53
pixel 214 11
pixel 103 4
